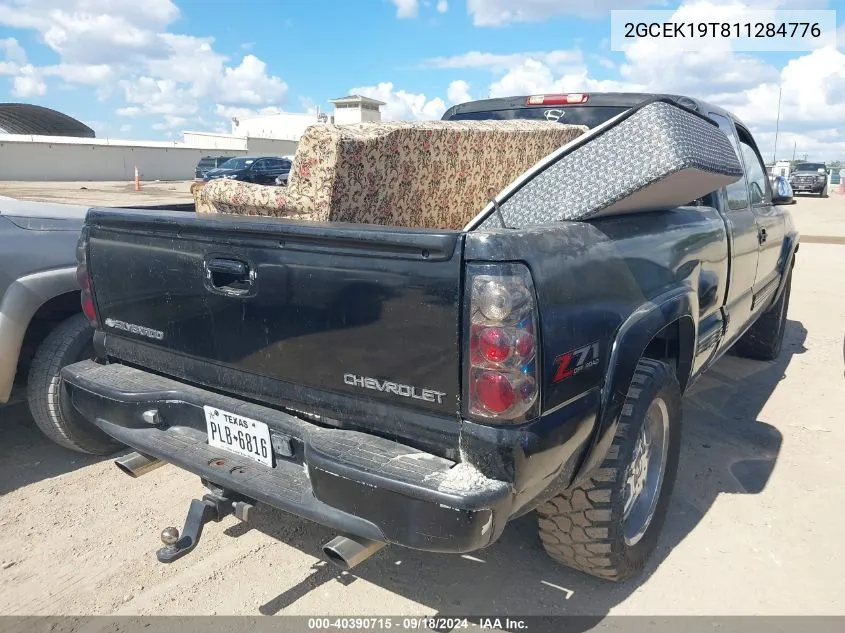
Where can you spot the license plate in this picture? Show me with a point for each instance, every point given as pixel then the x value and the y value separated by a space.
pixel 239 435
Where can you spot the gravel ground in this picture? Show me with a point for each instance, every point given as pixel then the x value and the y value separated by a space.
pixel 754 526
pixel 118 194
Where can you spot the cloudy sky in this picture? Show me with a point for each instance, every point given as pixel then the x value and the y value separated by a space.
pixel 150 69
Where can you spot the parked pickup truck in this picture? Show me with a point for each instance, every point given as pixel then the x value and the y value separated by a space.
pixel 373 360
pixel 809 178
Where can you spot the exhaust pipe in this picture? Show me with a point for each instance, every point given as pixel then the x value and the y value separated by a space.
pixel 136 464
pixel 348 551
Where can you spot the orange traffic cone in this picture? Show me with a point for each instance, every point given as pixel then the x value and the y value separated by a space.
pixel 137 179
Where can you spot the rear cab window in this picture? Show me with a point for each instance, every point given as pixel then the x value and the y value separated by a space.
pixel 590 116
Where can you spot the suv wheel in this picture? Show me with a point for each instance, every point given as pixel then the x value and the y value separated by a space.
pixel 608 526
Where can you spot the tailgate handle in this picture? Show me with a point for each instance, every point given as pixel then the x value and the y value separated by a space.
pixel 229 275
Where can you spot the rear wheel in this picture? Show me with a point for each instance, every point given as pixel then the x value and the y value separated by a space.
pixel 69 342
pixel 609 526
pixel 764 340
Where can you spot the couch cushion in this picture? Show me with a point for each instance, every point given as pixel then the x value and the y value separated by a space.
pixel 654 157
pixel 436 174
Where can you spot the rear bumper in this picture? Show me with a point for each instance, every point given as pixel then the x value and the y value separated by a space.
pixel 354 482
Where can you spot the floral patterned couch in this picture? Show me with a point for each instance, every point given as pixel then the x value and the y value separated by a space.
pixel 437 174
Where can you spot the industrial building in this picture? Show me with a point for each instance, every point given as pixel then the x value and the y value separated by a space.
pixel 43 144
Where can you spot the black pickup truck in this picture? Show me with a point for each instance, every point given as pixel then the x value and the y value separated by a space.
pixel 424 387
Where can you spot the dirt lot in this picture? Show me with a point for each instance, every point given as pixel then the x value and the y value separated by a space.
pixel 754 526
pixel 118 194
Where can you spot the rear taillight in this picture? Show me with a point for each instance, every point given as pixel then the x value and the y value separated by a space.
pixel 83 277
pixel 502 381
pixel 570 99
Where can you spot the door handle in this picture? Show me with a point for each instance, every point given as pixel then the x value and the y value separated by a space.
pixel 762 235
pixel 231 276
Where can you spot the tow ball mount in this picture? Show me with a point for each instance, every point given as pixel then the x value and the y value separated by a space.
pixel 212 507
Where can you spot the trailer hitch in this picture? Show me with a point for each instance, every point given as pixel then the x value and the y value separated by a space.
pixel 212 507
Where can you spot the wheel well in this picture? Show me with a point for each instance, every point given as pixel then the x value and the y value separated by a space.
pixel 47 317
pixel 674 344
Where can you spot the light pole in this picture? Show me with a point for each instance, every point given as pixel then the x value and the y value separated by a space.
pixel 777 125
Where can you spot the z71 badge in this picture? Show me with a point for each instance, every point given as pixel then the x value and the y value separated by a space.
pixel 576 361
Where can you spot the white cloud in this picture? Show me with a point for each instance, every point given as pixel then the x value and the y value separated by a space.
pixel 249 83
pixel 156 96
pixel 556 60
pixel 88 75
pixel 228 112
pixel 406 8
pixel 442 6
pixel 458 92
pixel 309 105
pixel 28 83
pixel 813 93
pixel 823 144
pixel 535 77
pixel 401 104
pixel 126 45
pixel 813 104
pixel 502 12
pixel 12 51
pixel 170 123
pixel 12 57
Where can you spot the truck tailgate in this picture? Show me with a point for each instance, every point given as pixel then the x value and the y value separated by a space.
pixel 370 313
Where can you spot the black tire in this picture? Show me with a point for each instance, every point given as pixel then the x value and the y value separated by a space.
pixel 764 340
pixel 584 527
pixel 823 192
pixel 69 342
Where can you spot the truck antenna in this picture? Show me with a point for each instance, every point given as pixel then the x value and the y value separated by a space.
pixel 498 210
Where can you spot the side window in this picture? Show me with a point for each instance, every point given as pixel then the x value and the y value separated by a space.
pixel 259 166
pixel 755 174
pixel 737 192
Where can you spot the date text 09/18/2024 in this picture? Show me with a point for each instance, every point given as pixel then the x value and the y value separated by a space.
pixel 412 623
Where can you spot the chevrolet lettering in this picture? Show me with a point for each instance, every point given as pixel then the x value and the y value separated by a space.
pixel 386 386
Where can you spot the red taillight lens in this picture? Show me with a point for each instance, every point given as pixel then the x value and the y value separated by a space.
pixel 494 344
pixel 525 345
pixel 502 365
pixel 495 392
pixel 88 308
